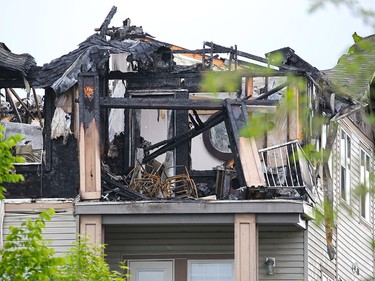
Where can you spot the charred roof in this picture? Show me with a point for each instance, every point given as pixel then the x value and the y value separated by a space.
pixel 13 62
pixel 62 73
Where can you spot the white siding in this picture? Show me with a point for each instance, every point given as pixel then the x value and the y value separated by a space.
pixel 60 231
pixel 353 234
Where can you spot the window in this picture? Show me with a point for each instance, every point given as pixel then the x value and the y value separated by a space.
pixel 345 148
pixel 213 270
pixel 365 183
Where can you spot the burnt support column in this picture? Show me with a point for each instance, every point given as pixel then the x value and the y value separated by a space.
pixel 245 247
pixel 89 135
pixel 182 126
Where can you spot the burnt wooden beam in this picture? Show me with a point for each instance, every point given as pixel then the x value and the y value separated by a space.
pixel 21 103
pixel 244 150
pixel 189 79
pixel 9 95
pixel 221 49
pixel 174 142
pixel 49 108
pixel 89 90
pixel 160 80
pixel 272 91
pixel 181 125
pixel 37 108
pixel 172 103
pixel 235 119
pixel 160 103
pixel 104 26
pixel 121 189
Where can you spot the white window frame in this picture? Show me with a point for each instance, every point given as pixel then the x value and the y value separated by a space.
pixel 223 261
pixel 345 169
pixel 364 179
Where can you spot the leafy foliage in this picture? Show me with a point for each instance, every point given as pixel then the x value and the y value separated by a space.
pixel 7 160
pixel 86 261
pixel 26 255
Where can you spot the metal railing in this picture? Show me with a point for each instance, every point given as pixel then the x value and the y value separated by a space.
pixel 281 166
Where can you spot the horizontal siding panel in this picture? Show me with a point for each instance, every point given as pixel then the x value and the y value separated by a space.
pixel 60 231
pixel 286 245
pixel 169 249
pixel 285 258
pixel 279 246
pixel 213 235
pixel 279 276
pixel 353 238
pixel 167 240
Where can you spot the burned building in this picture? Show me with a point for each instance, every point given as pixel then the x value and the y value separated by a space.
pixel 169 173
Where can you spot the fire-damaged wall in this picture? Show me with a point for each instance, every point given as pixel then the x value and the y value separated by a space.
pixel 61 181
pixel 57 175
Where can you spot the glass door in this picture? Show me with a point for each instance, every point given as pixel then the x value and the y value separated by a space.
pixel 151 270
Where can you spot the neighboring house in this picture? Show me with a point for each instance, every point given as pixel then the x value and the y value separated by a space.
pixel 139 154
pixel 352 164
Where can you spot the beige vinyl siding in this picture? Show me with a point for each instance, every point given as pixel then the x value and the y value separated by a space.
pixel 60 231
pixel 286 245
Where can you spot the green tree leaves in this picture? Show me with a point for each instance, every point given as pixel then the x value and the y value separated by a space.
pixel 26 256
pixel 86 261
pixel 7 160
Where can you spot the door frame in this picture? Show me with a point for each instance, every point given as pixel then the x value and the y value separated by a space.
pixel 150 261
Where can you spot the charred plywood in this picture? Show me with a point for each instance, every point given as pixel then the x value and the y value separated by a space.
pixel 60 182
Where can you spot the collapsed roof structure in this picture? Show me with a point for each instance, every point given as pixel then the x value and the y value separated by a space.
pixel 148 66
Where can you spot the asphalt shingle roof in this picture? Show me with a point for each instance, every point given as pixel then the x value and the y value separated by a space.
pixel 354 72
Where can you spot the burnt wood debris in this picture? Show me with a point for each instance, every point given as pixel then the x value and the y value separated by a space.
pixel 78 100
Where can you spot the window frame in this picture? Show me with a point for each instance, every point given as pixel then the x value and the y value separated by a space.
pixel 208 261
pixel 345 167
pixel 364 180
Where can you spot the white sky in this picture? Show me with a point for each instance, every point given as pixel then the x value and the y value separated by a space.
pixel 48 29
